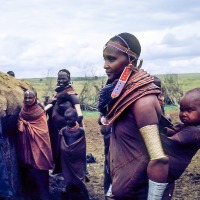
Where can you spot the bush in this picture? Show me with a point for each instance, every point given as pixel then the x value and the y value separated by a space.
pixel 171 89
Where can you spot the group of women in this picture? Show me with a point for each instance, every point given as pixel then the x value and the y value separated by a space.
pixel 139 164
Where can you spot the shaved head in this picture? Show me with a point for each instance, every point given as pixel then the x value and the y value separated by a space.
pixel 70 112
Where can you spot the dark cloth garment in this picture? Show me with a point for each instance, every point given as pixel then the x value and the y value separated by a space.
pixel 181 154
pixel 35 183
pixel 128 159
pixel 106 132
pixel 73 158
pixel 71 162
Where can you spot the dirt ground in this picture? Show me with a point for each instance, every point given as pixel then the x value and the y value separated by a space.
pixel 187 187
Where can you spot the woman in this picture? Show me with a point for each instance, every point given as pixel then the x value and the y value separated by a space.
pixel 56 121
pixel 35 154
pixel 138 165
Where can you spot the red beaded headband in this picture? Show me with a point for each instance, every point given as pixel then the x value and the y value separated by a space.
pixel 122 48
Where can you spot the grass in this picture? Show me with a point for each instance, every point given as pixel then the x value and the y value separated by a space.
pixel 186 81
pixel 89 114
pixel 171 108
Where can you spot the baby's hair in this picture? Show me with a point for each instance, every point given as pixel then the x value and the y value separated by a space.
pixel 157 81
pixel 63 97
pixel 194 94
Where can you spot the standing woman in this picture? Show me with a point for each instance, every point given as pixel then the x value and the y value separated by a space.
pixel 138 165
pixel 56 121
pixel 35 154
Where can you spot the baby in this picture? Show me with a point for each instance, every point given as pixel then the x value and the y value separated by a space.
pixel 183 140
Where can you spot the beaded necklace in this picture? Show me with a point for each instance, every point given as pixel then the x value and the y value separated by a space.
pixel 73 129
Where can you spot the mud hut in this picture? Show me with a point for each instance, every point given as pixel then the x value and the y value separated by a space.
pixel 11 99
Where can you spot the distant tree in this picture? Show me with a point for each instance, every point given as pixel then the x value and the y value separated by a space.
pixel 171 89
pixel 89 94
pixel 49 82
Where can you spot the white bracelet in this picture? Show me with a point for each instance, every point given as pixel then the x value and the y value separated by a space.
pixel 156 190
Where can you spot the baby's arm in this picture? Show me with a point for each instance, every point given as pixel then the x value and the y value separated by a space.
pixel 173 130
pixel 189 135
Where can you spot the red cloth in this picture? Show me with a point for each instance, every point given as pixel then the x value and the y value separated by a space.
pixel 34 141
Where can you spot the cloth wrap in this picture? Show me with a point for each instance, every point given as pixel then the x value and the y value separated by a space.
pixel 34 141
pixel 73 159
pixel 181 154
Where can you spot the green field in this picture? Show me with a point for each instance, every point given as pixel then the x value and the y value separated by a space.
pixel 187 81
pixel 46 86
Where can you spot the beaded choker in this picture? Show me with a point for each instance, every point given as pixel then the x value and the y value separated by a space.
pixel 73 129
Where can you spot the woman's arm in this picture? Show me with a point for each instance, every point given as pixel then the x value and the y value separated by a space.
pixel 147 113
pixel 76 104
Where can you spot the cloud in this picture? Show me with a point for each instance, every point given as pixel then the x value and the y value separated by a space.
pixel 37 35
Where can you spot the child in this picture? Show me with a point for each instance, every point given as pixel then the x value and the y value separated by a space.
pixel 35 154
pixel 73 155
pixel 183 139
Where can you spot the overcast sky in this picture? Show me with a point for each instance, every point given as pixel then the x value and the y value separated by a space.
pixel 37 36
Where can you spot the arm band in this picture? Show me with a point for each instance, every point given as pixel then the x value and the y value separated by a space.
pixel 78 109
pixel 156 190
pixel 152 141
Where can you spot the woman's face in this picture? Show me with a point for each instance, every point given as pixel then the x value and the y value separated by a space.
pixel 115 62
pixel 63 79
pixel 29 98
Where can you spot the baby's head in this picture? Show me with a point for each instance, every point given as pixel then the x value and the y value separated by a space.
pixel 71 117
pixel 63 103
pixel 190 107
pixel 62 98
pixel 157 81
